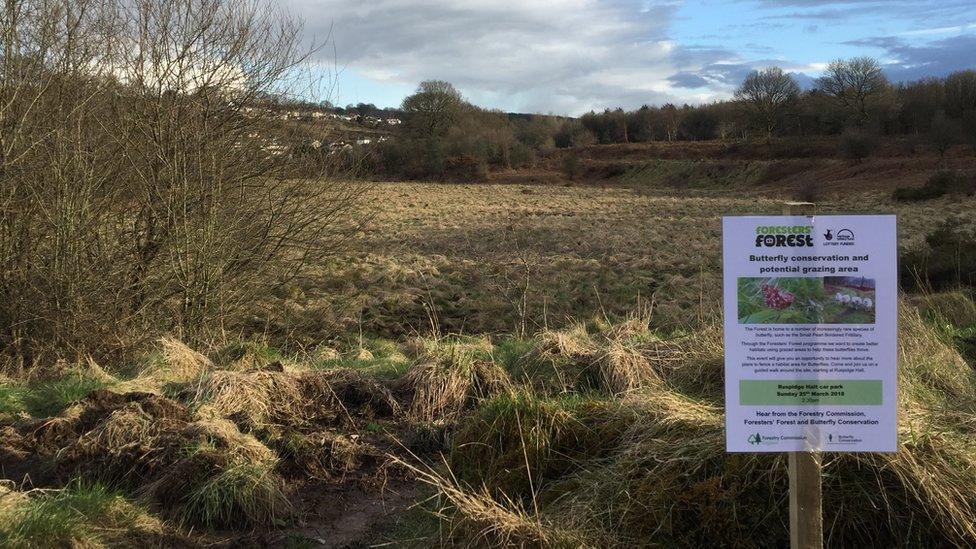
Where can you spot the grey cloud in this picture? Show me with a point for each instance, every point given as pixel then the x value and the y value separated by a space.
pixel 936 58
pixel 806 82
pixel 827 10
pixel 570 56
pixel 525 53
pixel 687 80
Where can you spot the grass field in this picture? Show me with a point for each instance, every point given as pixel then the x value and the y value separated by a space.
pixel 495 258
pixel 502 364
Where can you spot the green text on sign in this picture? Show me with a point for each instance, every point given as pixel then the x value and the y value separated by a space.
pixel 813 391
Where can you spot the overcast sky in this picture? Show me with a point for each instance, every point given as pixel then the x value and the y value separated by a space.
pixel 571 56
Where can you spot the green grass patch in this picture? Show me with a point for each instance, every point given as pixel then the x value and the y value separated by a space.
pixel 380 368
pixel 11 400
pixel 513 353
pixel 248 354
pixel 81 515
pixel 50 398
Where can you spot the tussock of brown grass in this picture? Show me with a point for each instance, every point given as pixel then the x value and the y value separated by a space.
pixel 475 515
pixel 571 343
pixel 448 378
pixel 323 353
pixel 86 367
pixel 175 362
pixel 621 368
pixel 362 354
pixel 254 398
pixel 10 500
pixel 182 362
pixel 126 435
pixel 619 359
pixel 223 434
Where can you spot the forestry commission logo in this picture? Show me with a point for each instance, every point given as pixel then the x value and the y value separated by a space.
pixel 755 439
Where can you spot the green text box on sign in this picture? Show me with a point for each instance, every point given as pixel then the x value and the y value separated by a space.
pixel 843 392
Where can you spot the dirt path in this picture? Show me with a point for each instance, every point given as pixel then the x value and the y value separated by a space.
pixel 353 517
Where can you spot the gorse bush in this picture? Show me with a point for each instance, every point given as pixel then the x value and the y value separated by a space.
pixel 856 145
pixel 572 166
pixel 135 197
pixel 948 260
pixel 939 184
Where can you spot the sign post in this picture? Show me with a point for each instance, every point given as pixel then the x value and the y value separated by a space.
pixel 810 344
pixel 806 503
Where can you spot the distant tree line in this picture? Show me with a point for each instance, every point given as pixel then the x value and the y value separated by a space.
pixel 446 137
pixel 852 96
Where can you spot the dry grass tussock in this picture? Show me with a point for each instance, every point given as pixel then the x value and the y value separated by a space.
pixel 254 398
pixel 10 500
pixel 618 359
pixel 477 516
pixel 664 476
pixel 182 362
pixel 200 471
pixel 172 361
pixel 270 400
pixel 449 376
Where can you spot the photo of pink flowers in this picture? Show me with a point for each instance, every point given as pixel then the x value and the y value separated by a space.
pixel 806 300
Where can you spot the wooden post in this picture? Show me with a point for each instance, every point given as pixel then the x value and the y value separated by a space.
pixel 799 208
pixel 806 505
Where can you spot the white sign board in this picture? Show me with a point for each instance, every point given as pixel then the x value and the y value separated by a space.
pixel 810 333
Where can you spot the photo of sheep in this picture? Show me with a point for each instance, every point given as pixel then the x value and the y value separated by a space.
pixel 806 300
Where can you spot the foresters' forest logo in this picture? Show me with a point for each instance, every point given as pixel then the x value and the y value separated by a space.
pixel 780 236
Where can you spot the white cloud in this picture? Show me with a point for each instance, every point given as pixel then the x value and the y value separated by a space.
pixel 532 55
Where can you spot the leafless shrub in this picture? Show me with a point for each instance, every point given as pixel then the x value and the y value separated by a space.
pixel 141 190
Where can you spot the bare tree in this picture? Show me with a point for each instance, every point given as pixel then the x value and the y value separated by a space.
pixel 672 120
pixel 433 108
pixel 768 94
pixel 136 196
pixel 854 83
